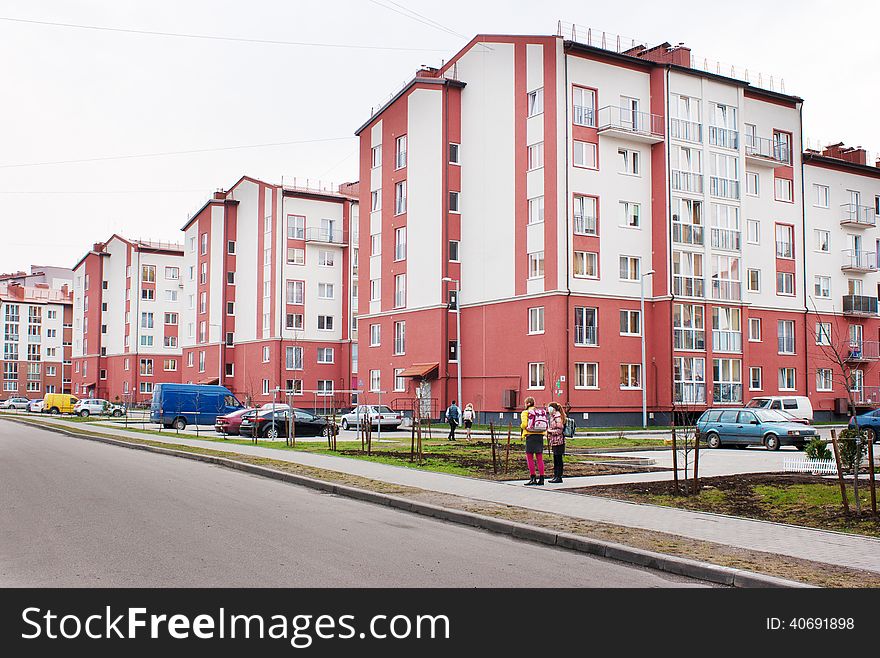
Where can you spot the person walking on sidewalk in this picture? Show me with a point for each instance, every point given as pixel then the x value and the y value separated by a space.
pixel 467 418
pixel 534 423
pixel 556 439
pixel 453 415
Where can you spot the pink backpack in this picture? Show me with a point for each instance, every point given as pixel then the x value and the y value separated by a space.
pixel 538 420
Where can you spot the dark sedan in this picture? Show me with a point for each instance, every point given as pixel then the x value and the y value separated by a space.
pixel 272 425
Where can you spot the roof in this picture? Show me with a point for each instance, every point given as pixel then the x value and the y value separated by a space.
pixel 420 370
pixel 415 81
pixel 811 158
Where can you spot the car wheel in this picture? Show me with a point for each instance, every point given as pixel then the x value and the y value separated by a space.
pixel 271 432
pixel 179 424
pixel 800 446
pixel 713 440
pixel 117 413
pixel 167 426
pixel 84 413
pixel 54 411
pixel 871 435
pixel 771 442
pixel 344 424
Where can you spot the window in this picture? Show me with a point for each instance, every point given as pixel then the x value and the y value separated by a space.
pixel 453 250
pixel 454 202
pixel 629 162
pixel 296 227
pixel 325 323
pixel 400 197
pixel 172 273
pixel 723 128
pixel 169 365
pixel 689 379
pixel 375 244
pixel 586 323
pixel 230 246
pixel 824 379
pixel 203 273
pixel 753 280
pixel 583 106
pixel 375 334
pixel 784 189
pixel 785 283
pixel 823 240
pixel 376 200
pixel 400 243
pixel 265 387
pixel 454 153
pixel 755 330
pixel 630 323
pixel 823 286
pixel 400 291
pixel 753 231
pixel 787 379
pixel 585 155
pixel 293 357
pixel 230 278
pixel 400 152
pixel 295 321
pixel 295 292
pixel 536 156
pixel 629 214
pixel 296 256
pixel 630 376
pixel 755 379
pixel 203 302
pixel 688 324
pixel 536 210
pixel 753 183
pixel 585 215
pixel 586 264
pixel 784 241
pixel 630 268
pixel 325 291
pixel 586 375
pixel 146 367
pixel 785 333
pixel 267 354
pixel 375 381
pixel 146 387
pixel 536 376
pixel 536 320
pixel 536 102
pixel 147 294
pixel 146 341
pixel 400 338
pixel 204 243
pixel 148 273
pixel 189 359
pixel 536 265
pixel 375 290
pixel 170 341
pixel 726 329
pixel 376 156
pixel 727 381
pixel 821 196
pixel 325 355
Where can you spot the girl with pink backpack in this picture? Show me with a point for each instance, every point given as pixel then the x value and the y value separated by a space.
pixel 534 423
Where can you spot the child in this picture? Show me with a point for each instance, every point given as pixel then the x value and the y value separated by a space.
pixel 534 424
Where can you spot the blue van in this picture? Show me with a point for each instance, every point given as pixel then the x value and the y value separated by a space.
pixel 179 405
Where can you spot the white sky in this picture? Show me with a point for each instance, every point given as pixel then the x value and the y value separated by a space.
pixel 71 94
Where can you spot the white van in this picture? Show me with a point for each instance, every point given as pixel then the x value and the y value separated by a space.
pixel 794 405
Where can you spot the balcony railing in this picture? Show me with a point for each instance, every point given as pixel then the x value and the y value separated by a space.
pixel 584 225
pixel 726 341
pixel 688 286
pixel 690 392
pixel 859 305
pixel 584 116
pixel 867 396
pixel 324 235
pixel 584 335
pixel 726 188
pixel 690 131
pixel 726 238
pixel 726 289
pixel 623 120
pixel 856 260
pixel 687 233
pixel 723 393
pixel 764 148
pixel 686 181
pixel 785 344
pixel 724 137
pixel 784 249
pixel 861 350
pixel 854 215
pixel 689 339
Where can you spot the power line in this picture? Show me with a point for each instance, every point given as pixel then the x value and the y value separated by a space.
pixel 408 13
pixel 213 37
pixel 166 153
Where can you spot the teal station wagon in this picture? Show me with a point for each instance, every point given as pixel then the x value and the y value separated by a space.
pixel 752 427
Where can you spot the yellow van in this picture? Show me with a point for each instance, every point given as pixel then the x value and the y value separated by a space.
pixel 59 403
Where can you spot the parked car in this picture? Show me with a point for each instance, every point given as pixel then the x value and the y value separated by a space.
pixel 379 416
pixel 59 403
pixel 97 407
pixel 750 426
pixel 231 423
pixel 796 405
pixel 272 425
pixel 15 403
pixel 179 405
pixel 36 406
pixel 870 422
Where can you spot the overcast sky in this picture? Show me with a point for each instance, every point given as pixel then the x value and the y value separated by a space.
pixel 76 94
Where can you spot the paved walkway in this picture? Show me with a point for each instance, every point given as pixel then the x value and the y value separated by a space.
pixel 816 545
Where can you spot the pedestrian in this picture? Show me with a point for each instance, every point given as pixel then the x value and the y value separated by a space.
pixel 534 423
pixel 556 439
pixel 467 417
pixel 453 415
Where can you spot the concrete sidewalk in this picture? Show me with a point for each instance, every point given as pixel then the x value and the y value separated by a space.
pixel 816 545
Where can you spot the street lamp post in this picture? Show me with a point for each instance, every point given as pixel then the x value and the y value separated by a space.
pixel 457 330
pixel 642 374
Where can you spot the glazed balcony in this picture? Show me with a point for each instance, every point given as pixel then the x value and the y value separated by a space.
pixel 859 305
pixel 627 124
pixel 686 181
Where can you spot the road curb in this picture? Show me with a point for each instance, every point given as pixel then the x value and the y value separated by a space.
pixel 720 575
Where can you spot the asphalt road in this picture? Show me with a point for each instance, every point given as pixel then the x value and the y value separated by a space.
pixel 79 513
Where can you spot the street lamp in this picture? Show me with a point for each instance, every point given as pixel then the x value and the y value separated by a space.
pixel 643 373
pixel 457 329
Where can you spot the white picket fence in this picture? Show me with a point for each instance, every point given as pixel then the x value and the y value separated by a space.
pixel 804 465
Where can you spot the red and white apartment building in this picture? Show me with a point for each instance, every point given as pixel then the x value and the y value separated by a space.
pixel 37 313
pixel 127 300
pixel 269 293
pixel 549 177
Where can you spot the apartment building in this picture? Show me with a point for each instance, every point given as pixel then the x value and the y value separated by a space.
pixel 269 292
pixel 37 328
pixel 41 275
pixel 550 179
pixel 127 297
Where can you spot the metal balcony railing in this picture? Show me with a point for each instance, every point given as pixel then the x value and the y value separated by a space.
pixel 584 334
pixel 768 149
pixel 852 214
pixel 726 341
pixel 726 238
pixel 859 261
pixel 859 305
pixel 612 117
pixel 784 249
pixel 724 393
pixel 688 286
pixel 324 235
pixel 584 225
pixel 584 116
pixel 867 396
pixel 724 137
pixel 686 181
pixel 690 131
pixel 861 350
pixel 689 339
pixel 690 392
pixel 687 233
pixel 726 289
pixel 726 188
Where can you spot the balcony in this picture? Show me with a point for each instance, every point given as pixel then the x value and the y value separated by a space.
pixel 627 124
pixel 690 392
pixel 867 396
pixel 859 305
pixel 725 188
pixel 687 233
pixel 766 152
pixel 727 393
pixel 689 131
pixel 584 225
pixel 686 181
pixel 584 116
pixel 726 341
pixel 688 286
pixel 724 137
pixel 857 216
pixel 324 235
pixel 689 339
pixel 784 249
pixel 726 290
pixel 861 351
pixel 726 238
pixel 856 260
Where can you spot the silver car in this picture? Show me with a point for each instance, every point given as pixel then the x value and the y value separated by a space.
pixel 378 415
pixel 15 403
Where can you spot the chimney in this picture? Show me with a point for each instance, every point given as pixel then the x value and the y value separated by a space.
pixel 838 151
pixel 664 53
pixel 219 195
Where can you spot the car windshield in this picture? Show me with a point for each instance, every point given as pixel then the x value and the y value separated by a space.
pixel 771 416
pixel 758 403
pixel 383 410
